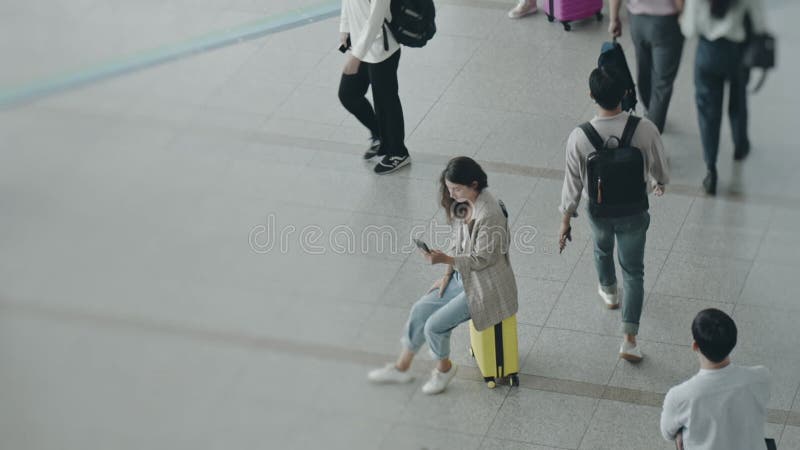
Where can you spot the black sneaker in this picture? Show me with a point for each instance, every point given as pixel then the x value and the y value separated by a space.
pixel 374 149
pixel 739 154
pixel 390 164
pixel 710 183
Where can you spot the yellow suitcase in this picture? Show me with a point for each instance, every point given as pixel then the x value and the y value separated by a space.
pixel 495 351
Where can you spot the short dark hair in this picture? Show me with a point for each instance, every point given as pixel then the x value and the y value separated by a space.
pixel 715 334
pixel 606 87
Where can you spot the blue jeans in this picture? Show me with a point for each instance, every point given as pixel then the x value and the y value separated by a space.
pixel 716 63
pixel 432 319
pixel 631 234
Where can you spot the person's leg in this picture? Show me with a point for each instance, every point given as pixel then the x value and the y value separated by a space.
pixel 352 95
pixel 644 60
pixel 631 235
pixel 667 49
pixel 441 324
pixel 709 89
pixel 737 109
pixel 604 252
pixel 388 109
pixel 414 334
pixel 437 334
pixel 414 331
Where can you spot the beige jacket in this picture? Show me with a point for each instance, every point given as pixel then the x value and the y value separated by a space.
pixel 484 264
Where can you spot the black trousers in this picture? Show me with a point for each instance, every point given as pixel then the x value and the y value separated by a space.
pixel 385 121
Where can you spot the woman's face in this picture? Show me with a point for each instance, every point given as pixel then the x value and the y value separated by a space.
pixel 459 192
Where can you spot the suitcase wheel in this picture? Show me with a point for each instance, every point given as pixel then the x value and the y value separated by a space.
pixel 567 26
pixel 599 16
pixel 471 353
pixel 490 382
pixel 550 18
pixel 513 381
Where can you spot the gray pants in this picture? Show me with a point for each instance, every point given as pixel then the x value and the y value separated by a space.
pixel 658 43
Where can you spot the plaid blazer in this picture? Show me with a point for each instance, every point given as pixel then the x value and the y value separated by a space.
pixel 484 264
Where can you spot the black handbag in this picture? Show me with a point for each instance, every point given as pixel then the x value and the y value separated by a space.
pixel 759 51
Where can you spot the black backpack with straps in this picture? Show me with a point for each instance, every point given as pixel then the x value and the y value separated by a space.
pixel 413 22
pixel 615 175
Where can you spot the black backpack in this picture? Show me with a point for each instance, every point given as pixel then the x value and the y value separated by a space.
pixel 413 22
pixel 612 56
pixel 615 176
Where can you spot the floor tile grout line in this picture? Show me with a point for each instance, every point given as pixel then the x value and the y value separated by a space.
pixel 539 172
pixel 257 343
pixel 494 418
pixel 753 262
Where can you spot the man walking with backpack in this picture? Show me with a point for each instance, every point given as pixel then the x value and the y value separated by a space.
pixel 373 60
pixel 615 159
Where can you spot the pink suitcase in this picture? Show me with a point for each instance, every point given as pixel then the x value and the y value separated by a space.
pixel 566 11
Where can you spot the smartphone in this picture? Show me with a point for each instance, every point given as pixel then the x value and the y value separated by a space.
pixel 345 47
pixel 422 246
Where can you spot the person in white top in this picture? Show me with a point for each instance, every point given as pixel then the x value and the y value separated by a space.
pixel 724 406
pixel 720 24
pixel 372 60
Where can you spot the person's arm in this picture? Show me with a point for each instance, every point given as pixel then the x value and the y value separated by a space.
pixel 344 25
pixel 573 178
pixel 378 11
pixel 670 417
pixel 489 245
pixel 572 189
pixel 615 25
pixel 657 165
pixel 757 16
pixel 688 20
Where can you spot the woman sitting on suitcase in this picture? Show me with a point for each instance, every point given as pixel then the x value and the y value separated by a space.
pixel 478 283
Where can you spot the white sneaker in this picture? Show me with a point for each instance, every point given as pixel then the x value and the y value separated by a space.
pixel 610 295
pixel 523 8
pixel 439 381
pixel 630 352
pixel 389 374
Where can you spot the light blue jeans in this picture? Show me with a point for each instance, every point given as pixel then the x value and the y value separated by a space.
pixel 432 319
pixel 631 234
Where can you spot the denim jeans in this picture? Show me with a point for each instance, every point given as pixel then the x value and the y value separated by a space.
pixel 432 319
pixel 717 62
pixel 631 234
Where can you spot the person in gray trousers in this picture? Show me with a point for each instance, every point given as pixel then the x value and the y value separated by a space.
pixel 658 42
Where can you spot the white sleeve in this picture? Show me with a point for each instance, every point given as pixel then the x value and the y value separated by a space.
pixel 573 178
pixel 378 12
pixel 757 16
pixel 670 417
pixel 344 25
pixel 688 19
pixel 657 165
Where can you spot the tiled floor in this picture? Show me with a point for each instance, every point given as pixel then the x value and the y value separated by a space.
pixel 145 305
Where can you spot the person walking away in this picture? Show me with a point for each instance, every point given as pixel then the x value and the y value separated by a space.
pixel 720 25
pixel 658 44
pixel 372 60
